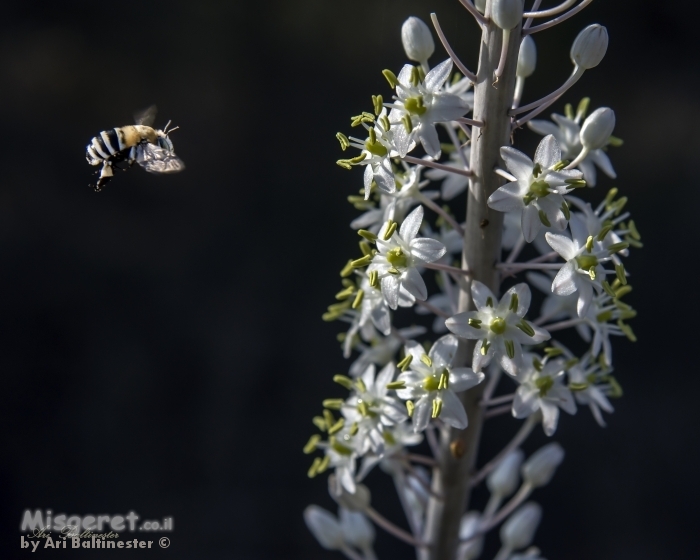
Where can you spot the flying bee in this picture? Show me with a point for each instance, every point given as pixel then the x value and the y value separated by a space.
pixel 139 143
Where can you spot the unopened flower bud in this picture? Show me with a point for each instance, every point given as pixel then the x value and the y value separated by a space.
pixel 507 14
pixel 520 528
pixel 504 479
pixel 480 5
pixel 324 526
pixel 359 501
pixel 539 469
pixel 417 40
pixel 527 57
pixel 590 46
pixel 470 524
pixel 597 128
pixel 357 530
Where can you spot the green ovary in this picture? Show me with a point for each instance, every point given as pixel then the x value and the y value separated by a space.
pixel 498 325
pixel 396 257
pixel 586 262
pixel 431 383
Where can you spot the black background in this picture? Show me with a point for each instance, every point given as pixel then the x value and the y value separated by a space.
pixel 161 346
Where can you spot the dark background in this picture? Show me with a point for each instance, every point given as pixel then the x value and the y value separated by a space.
pixel 161 346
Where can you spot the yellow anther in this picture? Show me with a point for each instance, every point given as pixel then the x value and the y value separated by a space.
pixel 344 142
pixel 408 125
pixel 552 352
pixel 390 229
pixel 335 428
pixel 374 279
pixel 328 418
pixel 319 422
pixel 325 462
pixel 394 385
pixel 405 363
pixel 368 235
pixel 390 77
pixel 444 380
pixel 620 272
pixel 310 447
pixel 358 299
pixel 361 387
pixel 346 293
pixel 569 111
pixel 313 470
pixel 513 302
pixel 426 360
pixel 510 348
pixel 437 408
pixel 364 261
pixel 344 381
pixel 410 407
pixel 589 243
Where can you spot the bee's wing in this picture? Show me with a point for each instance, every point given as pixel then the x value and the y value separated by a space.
pixel 146 117
pixel 155 159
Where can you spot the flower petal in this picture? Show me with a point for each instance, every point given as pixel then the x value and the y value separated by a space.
pixel 453 412
pixel 507 198
pixel 548 152
pixel 414 284
pixel 437 76
pixel 563 283
pixel 562 244
pixel 459 324
pixel 530 222
pixel 390 290
pixel 443 351
pixel 463 378
pixel 480 295
pixel 429 139
pixel 517 163
pixel 411 225
pixel 426 249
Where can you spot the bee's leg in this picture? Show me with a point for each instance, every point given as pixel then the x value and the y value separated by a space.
pixel 132 156
pixel 105 175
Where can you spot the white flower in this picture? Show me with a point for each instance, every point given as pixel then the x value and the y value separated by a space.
pixel 342 450
pixel 542 388
pixel 374 308
pixel 537 189
pixel 590 382
pixel 369 410
pixel 377 150
pixel 500 328
pixel 425 104
pixel 567 131
pixel 399 255
pixel 584 257
pixel 431 383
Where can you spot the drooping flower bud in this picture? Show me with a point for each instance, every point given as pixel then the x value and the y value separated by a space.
pixel 470 524
pixel 527 57
pixel 597 128
pixel 324 526
pixel 507 14
pixel 353 502
pixel 590 46
pixel 539 469
pixel 504 479
pixel 520 528
pixel 357 530
pixel 417 40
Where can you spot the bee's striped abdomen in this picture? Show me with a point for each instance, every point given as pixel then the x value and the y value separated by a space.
pixel 106 145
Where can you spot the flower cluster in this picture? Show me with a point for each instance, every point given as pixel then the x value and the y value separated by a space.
pixel 404 387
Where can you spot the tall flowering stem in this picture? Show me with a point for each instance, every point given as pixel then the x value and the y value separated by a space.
pixel 403 390
pixel 482 250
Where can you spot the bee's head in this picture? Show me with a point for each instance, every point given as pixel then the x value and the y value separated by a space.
pixel 163 140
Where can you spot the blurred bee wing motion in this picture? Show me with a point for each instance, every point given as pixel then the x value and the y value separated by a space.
pixel 155 159
pixel 146 117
